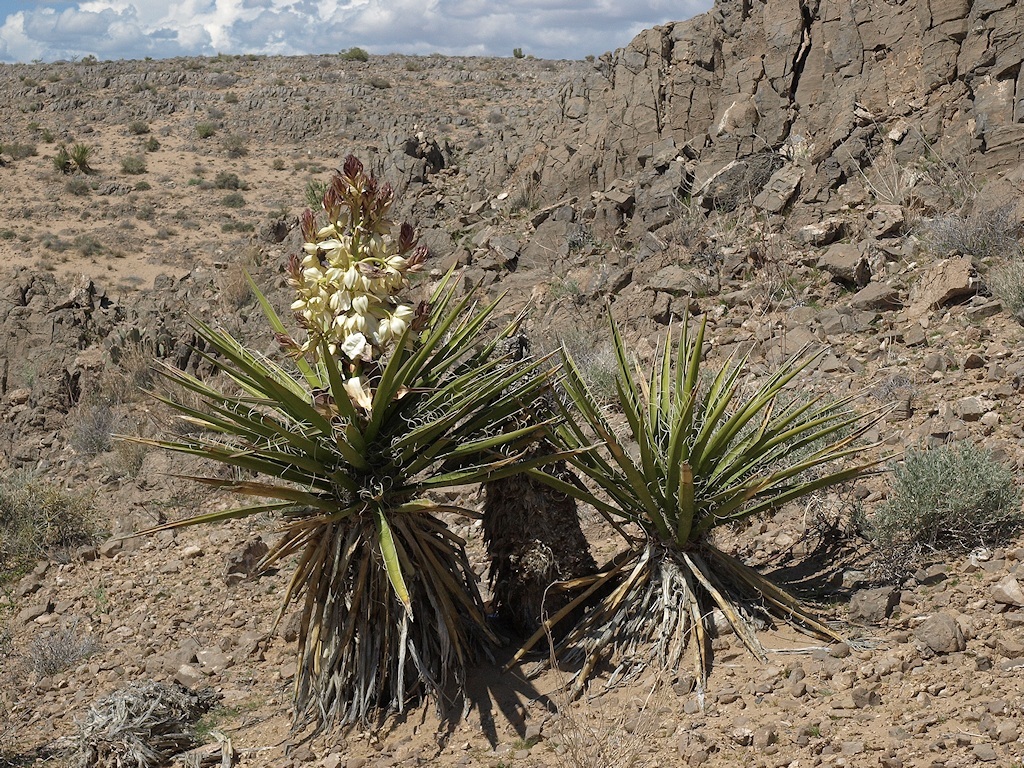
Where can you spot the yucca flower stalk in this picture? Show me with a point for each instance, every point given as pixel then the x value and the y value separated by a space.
pixel 704 456
pixel 353 434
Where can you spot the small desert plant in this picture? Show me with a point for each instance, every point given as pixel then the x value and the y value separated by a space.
pixel 143 186
pixel 955 497
pixel 138 127
pixel 706 455
pixel 517 53
pixel 228 180
pixel 354 54
pixel 133 164
pixel 230 97
pixel 992 234
pixel 377 411
pixel 78 187
pixel 37 518
pixel 92 427
pixel 235 145
pixel 62 160
pixel 1006 281
pixel 233 200
pixel 88 245
pixel 151 144
pixel 314 193
pixel 19 151
pixel 596 361
pixel 80 154
pixel 205 130
pixel 60 649
pixel 378 81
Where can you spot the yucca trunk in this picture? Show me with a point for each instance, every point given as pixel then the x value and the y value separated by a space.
pixel 534 540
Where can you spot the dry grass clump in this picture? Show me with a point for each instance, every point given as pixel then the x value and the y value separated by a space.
pixel 984 234
pixel 60 649
pixel 38 518
pixel 141 726
pixel 93 425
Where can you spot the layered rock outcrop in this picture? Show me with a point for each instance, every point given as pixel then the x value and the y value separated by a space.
pixel 889 96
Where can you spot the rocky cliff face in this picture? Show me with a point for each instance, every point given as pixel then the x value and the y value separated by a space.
pixel 834 89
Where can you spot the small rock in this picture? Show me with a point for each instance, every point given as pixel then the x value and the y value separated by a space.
pixel 839 650
pixel 876 296
pixel 243 562
pixel 873 606
pixel 111 547
pixel 188 676
pixel 33 612
pixel 941 633
pixel 985 753
pixel 864 697
pixel 1008 592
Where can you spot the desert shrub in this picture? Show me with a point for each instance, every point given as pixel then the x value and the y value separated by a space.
pixel 233 200
pixel 38 518
pixel 205 130
pixel 235 289
pixel 151 145
pixel 517 53
pixel 278 164
pixel 142 725
pixel 377 81
pixel 138 127
pixel 1006 281
pixel 143 186
pixel 133 164
pixel 237 226
pixel 60 649
pixel 93 425
pixel 235 145
pixel 991 234
pixel 955 497
pixel 594 357
pixel 227 180
pixel 88 245
pixel 354 54
pixel 230 97
pixel 78 187
pixel 19 151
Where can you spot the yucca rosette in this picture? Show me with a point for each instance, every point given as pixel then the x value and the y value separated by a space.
pixel 352 441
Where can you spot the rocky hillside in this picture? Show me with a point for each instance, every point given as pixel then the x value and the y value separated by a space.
pixel 834 174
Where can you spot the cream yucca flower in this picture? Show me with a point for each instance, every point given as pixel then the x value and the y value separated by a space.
pixel 352 269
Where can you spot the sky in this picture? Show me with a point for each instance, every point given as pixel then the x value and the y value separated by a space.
pixel 49 30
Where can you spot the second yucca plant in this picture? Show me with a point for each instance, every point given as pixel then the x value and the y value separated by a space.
pixel 695 453
pixel 379 406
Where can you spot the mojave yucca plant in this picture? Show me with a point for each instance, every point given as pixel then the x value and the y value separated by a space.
pixel 377 409
pixel 696 454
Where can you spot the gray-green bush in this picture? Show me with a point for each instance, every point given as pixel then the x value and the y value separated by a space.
pixel 37 518
pixel 984 234
pixel 955 497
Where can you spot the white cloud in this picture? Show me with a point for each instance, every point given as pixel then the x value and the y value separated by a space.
pixel 108 29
